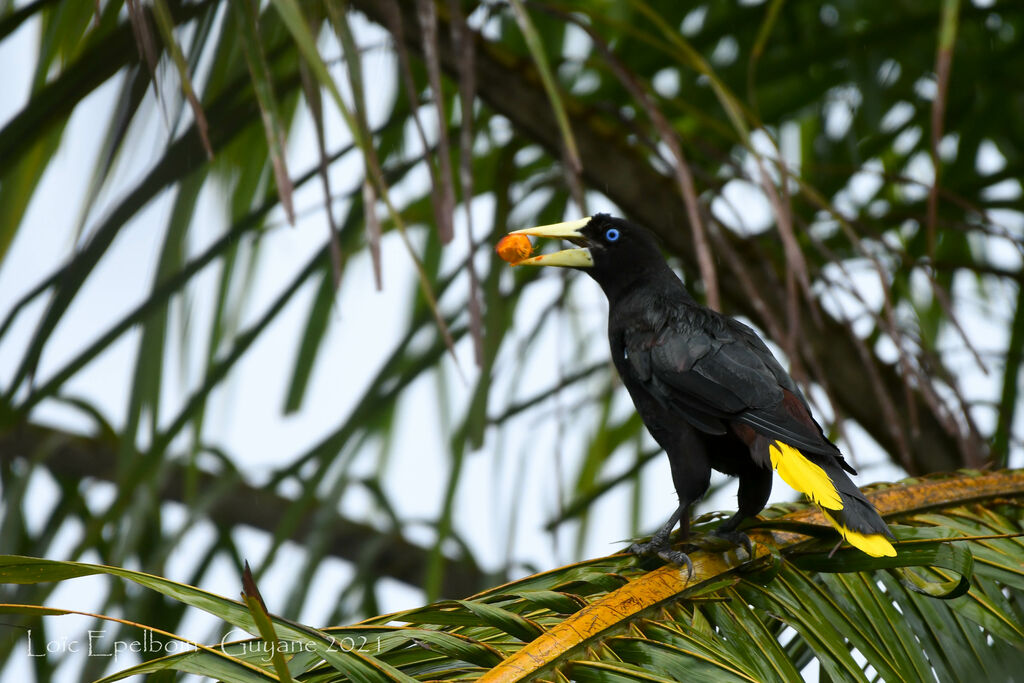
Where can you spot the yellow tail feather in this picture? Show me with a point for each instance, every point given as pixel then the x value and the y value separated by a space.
pixel 875 545
pixel 809 479
pixel 804 476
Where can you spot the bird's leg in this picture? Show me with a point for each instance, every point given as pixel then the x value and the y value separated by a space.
pixel 755 486
pixel 691 474
pixel 661 546
pixel 659 541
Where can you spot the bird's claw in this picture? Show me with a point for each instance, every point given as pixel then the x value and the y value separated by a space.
pixel 733 539
pixel 679 559
pixel 663 550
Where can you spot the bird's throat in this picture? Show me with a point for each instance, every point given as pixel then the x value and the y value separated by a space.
pixel 628 281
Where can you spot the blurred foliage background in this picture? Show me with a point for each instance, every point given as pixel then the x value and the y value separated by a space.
pixel 843 175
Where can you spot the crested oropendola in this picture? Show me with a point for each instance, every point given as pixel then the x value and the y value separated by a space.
pixel 708 389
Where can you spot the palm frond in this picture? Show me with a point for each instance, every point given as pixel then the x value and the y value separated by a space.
pixel 793 605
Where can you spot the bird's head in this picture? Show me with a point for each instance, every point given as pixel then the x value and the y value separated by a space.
pixel 610 250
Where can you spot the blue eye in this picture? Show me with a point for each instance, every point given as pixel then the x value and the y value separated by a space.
pixel 611 235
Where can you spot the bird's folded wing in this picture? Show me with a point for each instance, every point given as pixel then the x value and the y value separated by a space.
pixel 710 380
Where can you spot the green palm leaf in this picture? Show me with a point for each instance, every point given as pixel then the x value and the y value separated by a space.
pixel 609 619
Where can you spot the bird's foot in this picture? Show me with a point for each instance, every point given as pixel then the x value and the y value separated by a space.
pixel 663 549
pixel 720 541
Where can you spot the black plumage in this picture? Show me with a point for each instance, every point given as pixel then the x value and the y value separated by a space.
pixel 708 389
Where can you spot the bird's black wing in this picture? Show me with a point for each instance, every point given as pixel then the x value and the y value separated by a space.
pixel 709 368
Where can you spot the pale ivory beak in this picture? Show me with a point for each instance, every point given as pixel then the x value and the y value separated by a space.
pixel 568 258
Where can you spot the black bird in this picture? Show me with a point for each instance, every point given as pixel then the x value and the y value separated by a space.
pixel 708 389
